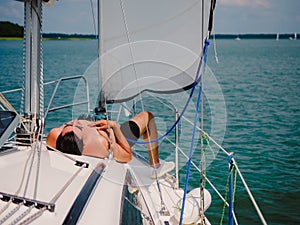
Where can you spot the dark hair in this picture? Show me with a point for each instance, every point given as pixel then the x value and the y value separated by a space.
pixel 69 143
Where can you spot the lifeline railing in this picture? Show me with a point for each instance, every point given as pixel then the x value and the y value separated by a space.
pixel 231 162
pixel 58 83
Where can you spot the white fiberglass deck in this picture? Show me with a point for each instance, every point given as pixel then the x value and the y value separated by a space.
pixel 60 183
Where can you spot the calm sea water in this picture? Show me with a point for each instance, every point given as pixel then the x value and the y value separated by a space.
pixel 260 81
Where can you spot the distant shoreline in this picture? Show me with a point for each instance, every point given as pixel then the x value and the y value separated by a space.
pixel 255 36
pixel 79 37
pixel 46 39
pixel 11 31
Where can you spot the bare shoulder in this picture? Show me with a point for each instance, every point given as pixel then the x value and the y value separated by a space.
pixel 52 136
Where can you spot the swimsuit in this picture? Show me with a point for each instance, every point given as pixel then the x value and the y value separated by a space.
pixel 131 131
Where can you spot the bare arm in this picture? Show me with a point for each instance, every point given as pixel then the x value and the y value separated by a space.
pixel 119 145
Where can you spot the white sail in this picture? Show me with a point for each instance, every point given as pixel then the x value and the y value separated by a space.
pixel 166 36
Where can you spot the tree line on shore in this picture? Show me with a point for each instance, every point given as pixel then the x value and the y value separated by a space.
pixel 8 29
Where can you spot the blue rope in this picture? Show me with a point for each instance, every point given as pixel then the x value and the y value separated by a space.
pixel 193 139
pixel 198 76
pixel 191 153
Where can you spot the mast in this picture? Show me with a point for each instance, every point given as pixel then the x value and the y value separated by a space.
pixel 32 97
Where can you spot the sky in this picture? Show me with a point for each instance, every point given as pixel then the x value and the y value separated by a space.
pixel 231 16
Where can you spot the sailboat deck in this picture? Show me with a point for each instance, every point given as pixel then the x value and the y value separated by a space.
pixel 62 183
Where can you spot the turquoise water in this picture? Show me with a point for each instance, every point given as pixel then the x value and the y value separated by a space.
pixel 260 80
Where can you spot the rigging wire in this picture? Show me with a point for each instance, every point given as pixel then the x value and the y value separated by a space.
pixel 163 208
pixel 95 31
pixel 131 52
pixel 215 48
pixel 251 196
pixel 202 115
pixel 212 27
pixel 93 16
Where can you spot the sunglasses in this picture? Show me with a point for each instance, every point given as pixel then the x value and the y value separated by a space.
pixel 68 125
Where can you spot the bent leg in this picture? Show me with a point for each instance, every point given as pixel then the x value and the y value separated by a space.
pixel 146 123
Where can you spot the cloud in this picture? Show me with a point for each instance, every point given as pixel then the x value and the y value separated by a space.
pixel 246 3
pixel 11 10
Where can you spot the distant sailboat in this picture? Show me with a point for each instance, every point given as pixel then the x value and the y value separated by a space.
pixel 277 37
pixel 295 37
pixel 237 38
